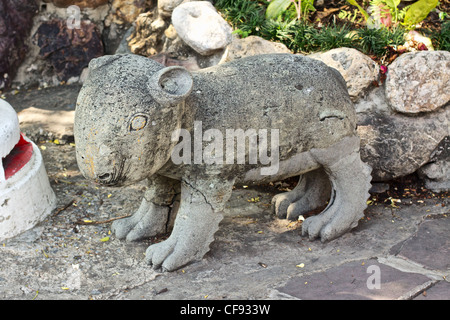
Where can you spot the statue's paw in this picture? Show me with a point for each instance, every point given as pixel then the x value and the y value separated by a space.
pixel 290 206
pixel 329 224
pixel 170 254
pixel 280 204
pixel 122 227
pixel 142 225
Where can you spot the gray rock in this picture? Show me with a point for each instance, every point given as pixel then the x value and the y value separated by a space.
pixel 251 46
pixel 200 25
pixel 395 144
pixel 436 174
pixel 358 70
pixel 419 81
pixel 132 112
pixel 166 7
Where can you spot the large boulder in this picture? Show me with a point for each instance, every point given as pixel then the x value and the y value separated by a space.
pixel 16 20
pixel 396 144
pixel 419 81
pixel 200 25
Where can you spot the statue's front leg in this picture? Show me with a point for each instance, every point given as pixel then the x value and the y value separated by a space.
pixel 153 215
pixel 196 223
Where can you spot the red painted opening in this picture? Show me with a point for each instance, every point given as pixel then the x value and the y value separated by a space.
pixel 17 158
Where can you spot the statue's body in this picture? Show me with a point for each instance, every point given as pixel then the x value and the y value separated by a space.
pixel 131 111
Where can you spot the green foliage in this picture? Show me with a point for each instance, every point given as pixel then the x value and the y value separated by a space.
pixel 363 12
pixel 351 16
pixel 376 41
pixel 441 40
pixel 277 7
pixel 386 10
pixel 300 36
pixel 248 17
pixel 333 36
pixel 245 16
pixel 418 11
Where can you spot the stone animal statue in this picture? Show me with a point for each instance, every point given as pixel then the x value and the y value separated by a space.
pixel 133 114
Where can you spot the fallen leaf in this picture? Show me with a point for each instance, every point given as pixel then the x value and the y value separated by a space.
pixel 104 239
pixel 301 265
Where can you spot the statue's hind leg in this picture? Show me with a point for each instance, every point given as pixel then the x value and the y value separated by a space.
pixel 312 191
pixel 350 183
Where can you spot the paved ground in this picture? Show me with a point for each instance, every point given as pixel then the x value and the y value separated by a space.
pixel 400 250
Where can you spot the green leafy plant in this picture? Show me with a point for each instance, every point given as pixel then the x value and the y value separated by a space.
pixel 377 41
pixel 277 7
pixel 418 11
pixel 386 12
pixel 333 36
pixel 363 12
pixel 245 16
pixel 441 40
pixel 351 16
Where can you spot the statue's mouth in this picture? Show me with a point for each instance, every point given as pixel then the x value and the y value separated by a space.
pixel 115 178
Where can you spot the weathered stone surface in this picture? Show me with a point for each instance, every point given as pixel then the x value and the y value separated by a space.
pixel 251 46
pixel 440 291
pixel 166 7
pixel 200 25
pixel 80 3
pixel 430 246
pixel 358 70
pixel 126 11
pixel 436 174
pixel 395 144
pixel 68 50
pixel 16 20
pixel 419 81
pixel 146 39
pixel 132 111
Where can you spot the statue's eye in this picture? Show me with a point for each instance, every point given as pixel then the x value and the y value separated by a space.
pixel 138 122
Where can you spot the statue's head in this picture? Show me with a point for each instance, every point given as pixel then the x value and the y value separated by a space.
pixel 125 115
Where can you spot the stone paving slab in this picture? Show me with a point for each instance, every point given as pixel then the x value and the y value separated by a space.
pixel 355 281
pixel 440 291
pixel 430 246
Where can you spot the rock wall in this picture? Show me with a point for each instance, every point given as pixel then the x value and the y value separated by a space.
pixel 16 21
pixel 62 36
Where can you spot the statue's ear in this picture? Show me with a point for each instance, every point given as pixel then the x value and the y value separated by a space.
pixel 170 85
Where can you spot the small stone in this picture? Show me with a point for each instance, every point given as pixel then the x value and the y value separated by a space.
pixel 200 25
pixel 251 46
